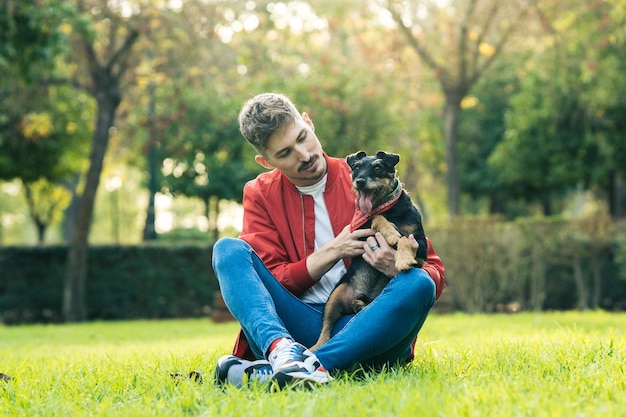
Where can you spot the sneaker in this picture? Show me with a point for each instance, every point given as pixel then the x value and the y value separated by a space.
pixel 240 372
pixel 295 365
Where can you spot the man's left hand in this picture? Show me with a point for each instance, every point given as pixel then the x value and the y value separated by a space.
pixel 381 256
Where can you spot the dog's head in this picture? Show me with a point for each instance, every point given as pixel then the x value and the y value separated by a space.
pixel 372 177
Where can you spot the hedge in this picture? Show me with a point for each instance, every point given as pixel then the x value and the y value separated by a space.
pixel 533 264
pixel 491 265
pixel 123 282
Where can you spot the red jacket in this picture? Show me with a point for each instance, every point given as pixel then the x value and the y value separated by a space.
pixel 279 224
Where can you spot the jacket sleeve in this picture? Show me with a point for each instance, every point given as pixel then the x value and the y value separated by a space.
pixel 434 267
pixel 261 229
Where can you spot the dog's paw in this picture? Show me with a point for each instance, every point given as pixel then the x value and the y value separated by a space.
pixel 404 262
pixel 358 305
pixel 405 257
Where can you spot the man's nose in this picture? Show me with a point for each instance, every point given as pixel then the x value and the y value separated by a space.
pixel 302 152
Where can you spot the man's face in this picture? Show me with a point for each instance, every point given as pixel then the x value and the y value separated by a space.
pixel 296 152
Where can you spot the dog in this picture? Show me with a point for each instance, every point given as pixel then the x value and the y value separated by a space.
pixel 383 205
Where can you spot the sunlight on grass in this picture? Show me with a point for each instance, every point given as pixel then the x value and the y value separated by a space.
pixel 556 364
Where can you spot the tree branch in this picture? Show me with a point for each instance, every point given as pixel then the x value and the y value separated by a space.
pixel 440 72
pixel 120 57
pixel 480 69
pixel 66 81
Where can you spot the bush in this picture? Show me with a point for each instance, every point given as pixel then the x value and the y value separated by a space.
pixel 123 282
pixel 535 264
pixel 491 265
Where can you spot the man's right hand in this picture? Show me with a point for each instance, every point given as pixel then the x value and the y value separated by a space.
pixel 345 245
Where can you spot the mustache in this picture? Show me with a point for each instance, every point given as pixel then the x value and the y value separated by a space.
pixel 308 163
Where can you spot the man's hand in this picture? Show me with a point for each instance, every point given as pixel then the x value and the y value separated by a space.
pixel 382 257
pixel 345 245
pixel 349 244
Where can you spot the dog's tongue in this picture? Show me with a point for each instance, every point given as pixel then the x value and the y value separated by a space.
pixel 365 203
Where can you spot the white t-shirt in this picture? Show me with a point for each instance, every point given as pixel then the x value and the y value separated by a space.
pixel 323 233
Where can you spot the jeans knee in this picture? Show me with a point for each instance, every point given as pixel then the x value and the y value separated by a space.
pixel 420 289
pixel 226 248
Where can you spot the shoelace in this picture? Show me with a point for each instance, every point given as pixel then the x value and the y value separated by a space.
pixel 261 374
pixel 283 354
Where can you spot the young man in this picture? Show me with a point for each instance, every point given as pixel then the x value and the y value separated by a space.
pixel 294 247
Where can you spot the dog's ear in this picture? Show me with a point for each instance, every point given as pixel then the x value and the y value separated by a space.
pixel 389 158
pixel 352 158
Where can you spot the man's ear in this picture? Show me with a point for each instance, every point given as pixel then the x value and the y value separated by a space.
pixel 261 160
pixel 308 121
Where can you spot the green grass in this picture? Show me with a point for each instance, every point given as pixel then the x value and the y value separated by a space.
pixel 555 364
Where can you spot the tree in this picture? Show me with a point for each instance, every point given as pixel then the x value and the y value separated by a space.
pixel 41 127
pixel 567 114
pixel 106 62
pixel 204 156
pixel 458 41
pixel 483 124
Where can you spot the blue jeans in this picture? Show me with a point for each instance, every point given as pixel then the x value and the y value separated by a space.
pixel 380 334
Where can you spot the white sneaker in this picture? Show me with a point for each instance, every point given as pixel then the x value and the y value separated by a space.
pixel 295 365
pixel 240 372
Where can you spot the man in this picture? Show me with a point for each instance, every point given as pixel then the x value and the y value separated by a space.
pixel 294 247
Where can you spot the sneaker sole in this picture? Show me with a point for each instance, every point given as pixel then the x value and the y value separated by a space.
pixel 282 379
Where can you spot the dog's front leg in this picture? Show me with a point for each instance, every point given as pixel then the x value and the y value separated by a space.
pixel 387 229
pixel 405 256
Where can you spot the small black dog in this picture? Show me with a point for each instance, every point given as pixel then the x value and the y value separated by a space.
pixel 383 205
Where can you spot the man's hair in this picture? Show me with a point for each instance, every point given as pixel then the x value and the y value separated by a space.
pixel 263 115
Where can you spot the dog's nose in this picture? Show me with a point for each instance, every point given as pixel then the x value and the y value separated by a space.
pixel 360 182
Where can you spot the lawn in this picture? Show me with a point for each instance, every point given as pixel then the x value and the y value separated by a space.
pixel 553 364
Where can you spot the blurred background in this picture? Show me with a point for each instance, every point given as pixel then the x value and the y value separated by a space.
pixel 118 132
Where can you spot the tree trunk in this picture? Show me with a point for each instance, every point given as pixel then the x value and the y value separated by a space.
pixel 580 285
pixel 452 111
pixel 105 88
pixel 216 232
pixel 617 196
pixel 69 217
pixel 74 308
pixel 41 233
pixel 596 265
pixel 537 283
pixel 149 231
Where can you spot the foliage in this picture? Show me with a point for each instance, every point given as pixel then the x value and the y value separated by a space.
pixel 534 263
pixel 542 123
pixel 516 365
pixel 124 282
pixel 46 202
pixel 41 126
pixel 491 265
pixel 32 35
pixel 481 130
pixel 204 154
pixel 556 129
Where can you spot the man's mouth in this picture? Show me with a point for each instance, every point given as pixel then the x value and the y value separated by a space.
pixel 308 165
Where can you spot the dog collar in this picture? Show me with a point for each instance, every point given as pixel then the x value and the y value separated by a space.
pixel 360 218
